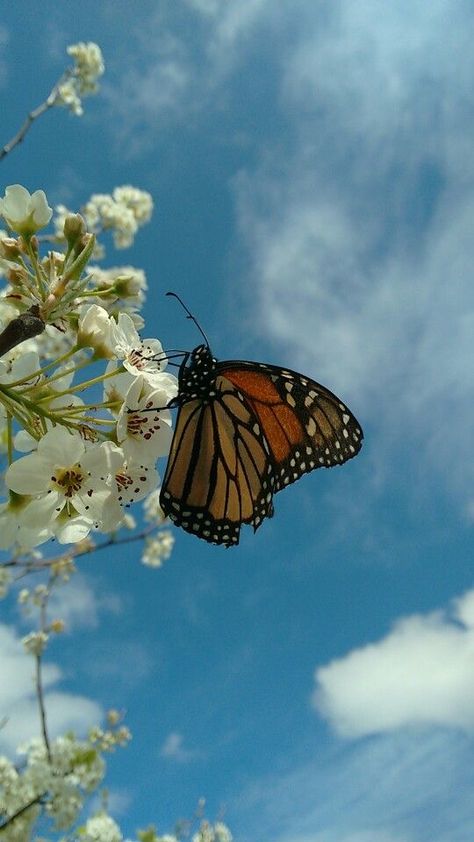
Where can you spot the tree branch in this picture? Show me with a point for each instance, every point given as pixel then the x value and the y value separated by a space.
pixel 37 800
pixel 24 326
pixel 33 115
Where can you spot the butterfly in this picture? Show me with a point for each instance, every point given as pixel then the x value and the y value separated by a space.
pixel 244 431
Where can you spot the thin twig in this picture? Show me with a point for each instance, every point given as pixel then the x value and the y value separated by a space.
pixel 49 102
pixel 39 677
pixel 42 709
pixel 36 566
pixel 37 800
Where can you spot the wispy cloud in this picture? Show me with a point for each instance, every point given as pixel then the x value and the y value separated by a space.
pixel 173 748
pixel 18 703
pixel 404 787
pixel 358 228
pixel 80 603
pixel 184 58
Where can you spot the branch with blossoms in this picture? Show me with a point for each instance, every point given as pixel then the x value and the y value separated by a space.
pixel 77 81
pixel 90 421
pixel 83 417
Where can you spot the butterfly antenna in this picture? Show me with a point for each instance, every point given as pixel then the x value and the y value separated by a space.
pixel 190 316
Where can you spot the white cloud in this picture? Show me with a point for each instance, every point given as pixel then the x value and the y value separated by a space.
pixel 80 602
pixel 359 232
pixel 420 674
pixel 174 749
pixel 180 72
pixel 411 786
pixel 18 703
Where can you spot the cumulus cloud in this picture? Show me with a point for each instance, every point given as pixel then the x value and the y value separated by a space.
pixel 18 702
pixel 420 674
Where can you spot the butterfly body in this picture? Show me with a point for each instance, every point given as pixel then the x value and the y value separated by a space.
pixel 244 431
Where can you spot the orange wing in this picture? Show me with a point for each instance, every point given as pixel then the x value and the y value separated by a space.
pixel 219 472
pixel 305 425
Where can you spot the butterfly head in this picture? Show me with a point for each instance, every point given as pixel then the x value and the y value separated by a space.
pixel 197 374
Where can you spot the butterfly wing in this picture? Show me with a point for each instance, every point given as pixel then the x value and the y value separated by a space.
pixel 219 473
pixel 304 424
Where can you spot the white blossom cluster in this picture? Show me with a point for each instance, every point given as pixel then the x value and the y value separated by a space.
pixel 57 783
pixel 121 212
pixel 82 79
pixel 81 446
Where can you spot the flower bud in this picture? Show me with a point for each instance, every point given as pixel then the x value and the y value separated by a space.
pixel 17 277
pixel 74 228
pixel 57 626
pixel 9 249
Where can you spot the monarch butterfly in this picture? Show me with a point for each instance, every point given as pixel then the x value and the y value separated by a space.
pixel 244 431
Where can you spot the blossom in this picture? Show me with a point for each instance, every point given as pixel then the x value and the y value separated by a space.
pixel 152 511
pixel 25 213
pixel 142 356
pixel 82 81
pixel 138 201
pixel 212 833
pixel 95 330
pixel 143 424
pixel 15 529
pixel 35 642
pixel 122 213
pixel 101 828
pixel 89 64
pixel 157 548
pixel 134 481
pixel 70 483
pixel 126 284
pixel 19 366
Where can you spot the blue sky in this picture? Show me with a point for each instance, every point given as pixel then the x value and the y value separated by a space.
pixel 312 170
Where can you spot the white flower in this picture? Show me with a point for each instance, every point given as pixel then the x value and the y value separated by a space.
pixel 95 330
pixel 134 482
pixel 70 482
pixel 89 65
pixel 153 513
pixel 122 283
pixel 142 356
pixel 15 529
pixel 101 828
pixel 25 213
pixel 222 832
pixel 143 426
pixel 102 211
pixel 67 95
pixel 123 213
pixel 22 367
pixel 158 548
pixel 138 201
pixel 209 833
pixel 35 642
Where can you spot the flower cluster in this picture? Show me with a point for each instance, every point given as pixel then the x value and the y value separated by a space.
pixel 81 80
pixel 75 463
pixel 122 212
